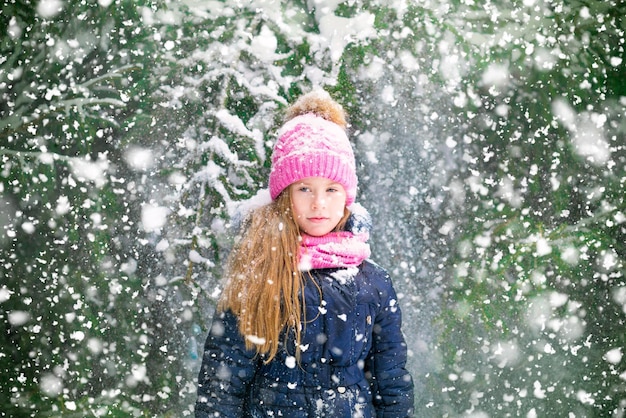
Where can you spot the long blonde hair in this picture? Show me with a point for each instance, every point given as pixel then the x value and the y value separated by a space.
pixel 263 287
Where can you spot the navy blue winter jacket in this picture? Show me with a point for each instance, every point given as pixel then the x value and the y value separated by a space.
pixel 352 360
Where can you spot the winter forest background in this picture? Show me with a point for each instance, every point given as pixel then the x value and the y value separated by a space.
pixel 491 142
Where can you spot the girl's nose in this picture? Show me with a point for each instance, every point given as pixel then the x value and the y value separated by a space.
pixel 318 202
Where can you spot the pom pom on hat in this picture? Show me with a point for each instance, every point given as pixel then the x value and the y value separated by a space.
pixel 319 103
pixel 313 143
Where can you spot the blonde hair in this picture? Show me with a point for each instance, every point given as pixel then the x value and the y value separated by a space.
pixel 263 287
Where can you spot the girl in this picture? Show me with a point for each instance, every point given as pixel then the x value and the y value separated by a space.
pixel 306 325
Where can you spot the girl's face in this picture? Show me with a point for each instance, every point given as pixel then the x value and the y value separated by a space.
pixel 318 204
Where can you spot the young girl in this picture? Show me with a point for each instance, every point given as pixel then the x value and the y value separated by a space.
pixel 306 325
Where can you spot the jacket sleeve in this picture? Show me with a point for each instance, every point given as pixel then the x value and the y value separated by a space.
pixel 226 372
pixel 391 383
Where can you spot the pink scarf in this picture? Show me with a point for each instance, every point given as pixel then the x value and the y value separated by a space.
pixel 335 249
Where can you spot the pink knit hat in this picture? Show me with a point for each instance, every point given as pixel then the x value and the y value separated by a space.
pixel 313 144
